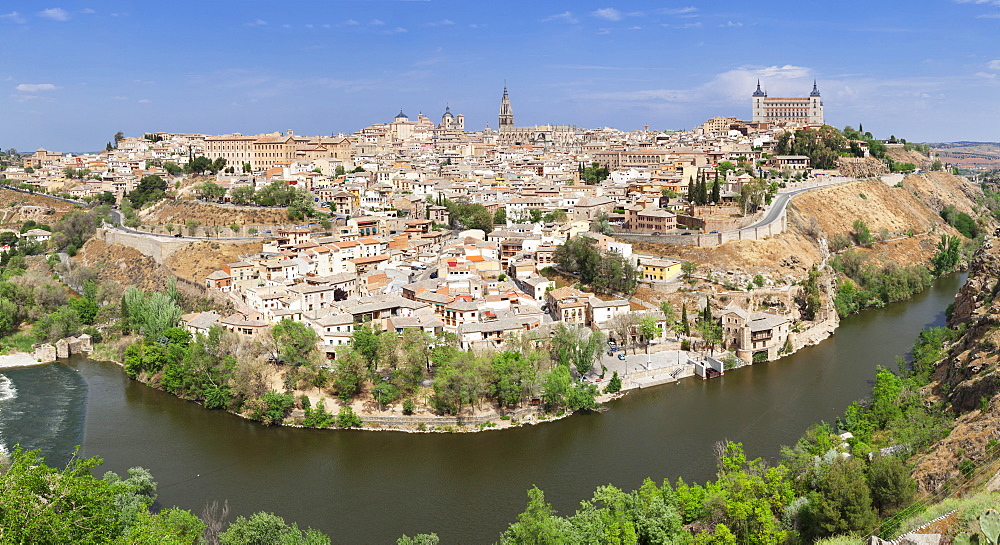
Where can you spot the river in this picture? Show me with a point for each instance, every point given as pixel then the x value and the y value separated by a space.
pixel 372 487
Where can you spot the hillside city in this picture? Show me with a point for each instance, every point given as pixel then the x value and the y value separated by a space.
pixel 416 225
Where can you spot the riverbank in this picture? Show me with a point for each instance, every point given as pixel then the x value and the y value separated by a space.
pixel 19 359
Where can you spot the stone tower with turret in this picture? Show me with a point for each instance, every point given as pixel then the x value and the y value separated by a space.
pixel 506 118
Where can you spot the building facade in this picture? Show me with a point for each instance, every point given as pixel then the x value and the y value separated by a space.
pixel 787 110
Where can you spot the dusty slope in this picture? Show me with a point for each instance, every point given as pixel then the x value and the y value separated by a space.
pixel 198 259
pixel 123 265
pixel 179 212
pixel 831 211
pixel 17 208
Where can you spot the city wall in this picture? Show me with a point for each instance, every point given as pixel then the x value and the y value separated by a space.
pixel 714 239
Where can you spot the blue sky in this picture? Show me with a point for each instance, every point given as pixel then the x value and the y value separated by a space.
pixel 74 73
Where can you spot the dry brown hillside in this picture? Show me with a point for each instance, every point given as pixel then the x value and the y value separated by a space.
pixel 196 260
pixel 123 265
pixel 17 208
pixel 179 212
pixel 831 211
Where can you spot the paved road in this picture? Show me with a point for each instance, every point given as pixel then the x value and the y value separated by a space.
pixel 781 201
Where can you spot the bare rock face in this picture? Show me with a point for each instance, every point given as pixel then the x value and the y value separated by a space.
pixel 983 282
pixel 969 376
pixel 869 167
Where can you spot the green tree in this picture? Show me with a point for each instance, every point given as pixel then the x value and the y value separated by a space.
pixel 537 525
pixel 151 188
pixel 862 234
pixel 267 529
pixel 614 384
pixel 172 168
pixel 841 502
pixel 296 342
pixel 649 329
pixel 210 191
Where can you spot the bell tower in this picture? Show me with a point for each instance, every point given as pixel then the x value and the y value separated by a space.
pixel 506 118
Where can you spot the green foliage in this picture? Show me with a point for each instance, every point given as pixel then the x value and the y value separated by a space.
pixel 874 287
pixel 822 145
pixel 210 191
pixel 347 419
pixel 39 504
pixel 604 272
pixel 614 384
pixel 862 235
pixel 841 502
pixel 593 174
pixel 296 342
pixel 812 298
pixel 151 188
pixel 318 417
pixel 949 252
pixel 149 313
pixel 961 221
pixel 268 528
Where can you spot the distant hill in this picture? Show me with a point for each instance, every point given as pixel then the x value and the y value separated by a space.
pixel 984 154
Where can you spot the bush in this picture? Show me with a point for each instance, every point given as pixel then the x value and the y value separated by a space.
pixel 347 419
pixel 408 406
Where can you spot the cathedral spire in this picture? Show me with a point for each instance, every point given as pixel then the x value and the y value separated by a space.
pixel 506 118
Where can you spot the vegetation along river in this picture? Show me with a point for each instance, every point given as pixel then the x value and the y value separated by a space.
pixel 371 487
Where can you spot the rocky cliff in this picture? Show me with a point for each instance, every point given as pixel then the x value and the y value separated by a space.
pixel 969 377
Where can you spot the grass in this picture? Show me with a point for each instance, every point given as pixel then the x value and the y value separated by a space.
pixel 17 342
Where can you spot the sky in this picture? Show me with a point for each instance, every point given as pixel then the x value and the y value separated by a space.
pixel 74 73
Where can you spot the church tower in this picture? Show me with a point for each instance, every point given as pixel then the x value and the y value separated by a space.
pixel 815 105
pixel 506 115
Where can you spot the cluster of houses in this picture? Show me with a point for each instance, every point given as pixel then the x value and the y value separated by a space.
pixel 391 260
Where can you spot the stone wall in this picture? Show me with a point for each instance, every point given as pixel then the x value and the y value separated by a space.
pixel 64 348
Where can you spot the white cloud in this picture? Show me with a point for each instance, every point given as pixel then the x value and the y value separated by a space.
pixel 397 30
pixel 993 65
pixel 442 22
pixel 13 17
pixel 985 75
pixel 349 22
pixel 687 10
pixel 258 22
pixel 565 17
pixel 732 24
pixel 376 22
pixel 987 2
pixel 685 25
pixel 611 14
pixel 35 87
pixel 56 14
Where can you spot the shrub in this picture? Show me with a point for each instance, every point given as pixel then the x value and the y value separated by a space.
pixel 347 419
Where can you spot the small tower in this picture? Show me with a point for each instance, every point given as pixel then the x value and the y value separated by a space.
pixel 815 105
pixel 506 118
pixel 758 104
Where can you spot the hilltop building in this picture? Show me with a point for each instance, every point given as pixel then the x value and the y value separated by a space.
pixel 542 135
pixel 785 110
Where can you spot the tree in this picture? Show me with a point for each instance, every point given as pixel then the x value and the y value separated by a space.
pixel 172 168
pixel 862 235
pixel 296 342
pixel 537 525
pixel 752 195
pixel 268 528
pixel 667 308
pixel 242 195
pixel 211 191
pixel 841 502
pixel 689 268
pixel 500 218
pixel 151 188
pixel 649 329
pixel 614 384
pixel 365 341
pixel 119 136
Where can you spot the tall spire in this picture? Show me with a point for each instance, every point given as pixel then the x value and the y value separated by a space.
pixel 506 117
pixel 758 92
pixel 815 91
